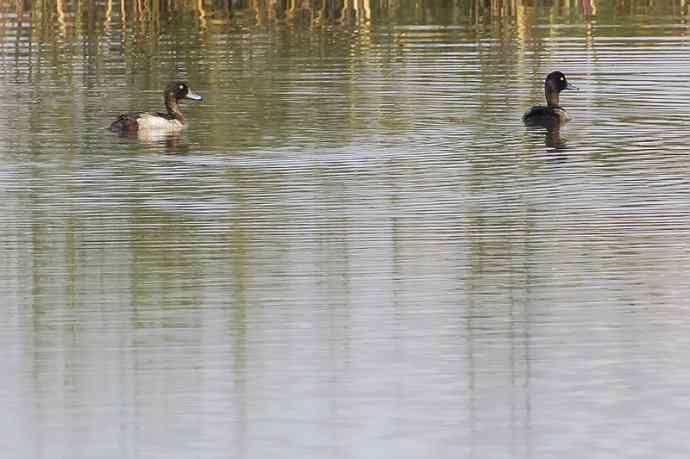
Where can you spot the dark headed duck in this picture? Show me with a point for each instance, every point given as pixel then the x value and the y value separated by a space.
pixel 171 121
pixel 553 113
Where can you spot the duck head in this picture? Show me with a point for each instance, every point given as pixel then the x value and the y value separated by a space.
pixel 554 84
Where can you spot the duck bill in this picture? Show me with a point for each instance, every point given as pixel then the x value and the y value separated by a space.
pixel 193 96
pixel 571 87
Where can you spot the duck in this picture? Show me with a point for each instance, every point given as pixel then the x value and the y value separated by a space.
pixel 552 113
pixel 170 121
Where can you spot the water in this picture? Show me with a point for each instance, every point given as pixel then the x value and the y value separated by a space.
pixel 356 249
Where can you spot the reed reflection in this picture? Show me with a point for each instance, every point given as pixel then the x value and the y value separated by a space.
pixel 128 29
pixel 218 14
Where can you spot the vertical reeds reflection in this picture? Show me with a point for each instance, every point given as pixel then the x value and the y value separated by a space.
pixel 58 15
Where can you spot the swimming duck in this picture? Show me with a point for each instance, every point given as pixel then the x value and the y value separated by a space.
pixel 171 121
pixel 553 113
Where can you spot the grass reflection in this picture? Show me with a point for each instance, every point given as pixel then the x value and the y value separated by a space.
pixel 134 29
pixel 59 18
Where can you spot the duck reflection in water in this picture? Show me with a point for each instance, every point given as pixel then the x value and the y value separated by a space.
pixel 170 143
pixel 552 136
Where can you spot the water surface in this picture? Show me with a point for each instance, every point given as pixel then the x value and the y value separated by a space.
pixel 356 249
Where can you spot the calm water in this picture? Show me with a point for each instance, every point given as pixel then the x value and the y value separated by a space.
pixel 356 250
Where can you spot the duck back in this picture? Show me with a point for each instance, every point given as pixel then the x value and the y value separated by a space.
pixel 544 115
pixel 127 122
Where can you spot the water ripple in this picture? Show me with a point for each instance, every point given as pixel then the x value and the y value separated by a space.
pixel 356 246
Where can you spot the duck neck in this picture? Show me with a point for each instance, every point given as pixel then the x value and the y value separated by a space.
pixel 172 107
pixel 552 97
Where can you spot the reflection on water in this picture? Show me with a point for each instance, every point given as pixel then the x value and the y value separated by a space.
pixel 551 135
pixel 356 246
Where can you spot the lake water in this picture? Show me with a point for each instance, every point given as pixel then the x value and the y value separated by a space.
pixel 356 249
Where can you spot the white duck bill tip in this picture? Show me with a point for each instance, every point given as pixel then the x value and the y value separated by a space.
pixel 191 95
